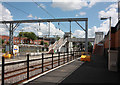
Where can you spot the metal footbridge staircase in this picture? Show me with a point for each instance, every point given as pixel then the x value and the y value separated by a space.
pixel 57 45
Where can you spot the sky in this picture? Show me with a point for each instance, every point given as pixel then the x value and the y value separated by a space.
pixel 63 9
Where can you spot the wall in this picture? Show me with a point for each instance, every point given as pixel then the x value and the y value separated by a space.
pixel 115 41
pixel 17 40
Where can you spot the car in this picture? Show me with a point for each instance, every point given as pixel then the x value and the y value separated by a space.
pixel 85 57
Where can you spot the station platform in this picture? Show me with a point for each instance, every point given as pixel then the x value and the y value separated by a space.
pixel 93 72
pixel 77 72
pixel 58 75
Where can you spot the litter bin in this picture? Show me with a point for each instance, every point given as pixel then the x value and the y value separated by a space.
pixel 113 60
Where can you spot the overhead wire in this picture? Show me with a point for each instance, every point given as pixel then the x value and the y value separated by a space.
pixel 28 13
pixel 46 11
pixel 19 10
pixel 43 9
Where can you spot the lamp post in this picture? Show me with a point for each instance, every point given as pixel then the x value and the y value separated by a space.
pixel 109 30
pixel 109 39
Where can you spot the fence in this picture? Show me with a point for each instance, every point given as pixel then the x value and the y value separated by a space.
pixel 17 72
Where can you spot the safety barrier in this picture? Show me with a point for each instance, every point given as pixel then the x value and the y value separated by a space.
pixel 17 72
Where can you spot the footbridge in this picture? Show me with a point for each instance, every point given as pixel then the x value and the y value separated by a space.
pixel 62 44
pixel 80 39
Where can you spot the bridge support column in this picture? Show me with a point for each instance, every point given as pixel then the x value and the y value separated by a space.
pixel 86 36
pixel 11 38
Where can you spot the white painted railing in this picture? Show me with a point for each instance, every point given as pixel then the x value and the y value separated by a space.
pixel 58 44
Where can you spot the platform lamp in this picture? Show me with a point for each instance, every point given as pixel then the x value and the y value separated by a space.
pixel 109 35
pixel 109 29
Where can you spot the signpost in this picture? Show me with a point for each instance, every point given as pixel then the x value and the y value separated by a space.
pixel 15 49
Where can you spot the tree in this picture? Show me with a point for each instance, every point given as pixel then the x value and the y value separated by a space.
pixel 42 42
pixel 46 44
pixel 29 35
pixel 21 34
pixel 74 37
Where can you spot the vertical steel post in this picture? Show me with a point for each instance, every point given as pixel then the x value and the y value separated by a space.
pixel 70 29
pixel 70 37
pixel 10 29
pixel 86 36
pixel 12 40
pixel 67 56
pixel 27 66
pixel 109 43
pixel 58 58
pixel 3 70
pixel 64 58
pixel 73 55
pixel 49 29
pixel 42 62
pixel 52 60
pixel 109 33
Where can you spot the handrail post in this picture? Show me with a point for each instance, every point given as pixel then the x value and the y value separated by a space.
pixel 58 58
pixel 67 55
pixel 64 58
pixel 3 69
pixel 42 62
pixel 52 60
pixel 27 66
pixel 73 55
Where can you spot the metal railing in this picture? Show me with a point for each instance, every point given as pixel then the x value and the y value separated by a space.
pixel 29 68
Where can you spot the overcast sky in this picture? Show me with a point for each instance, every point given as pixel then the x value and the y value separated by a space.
pixel 60 9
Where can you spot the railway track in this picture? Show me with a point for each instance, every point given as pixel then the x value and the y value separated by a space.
pixel 20 74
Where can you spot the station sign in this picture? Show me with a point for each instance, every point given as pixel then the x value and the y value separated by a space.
pixel 15 49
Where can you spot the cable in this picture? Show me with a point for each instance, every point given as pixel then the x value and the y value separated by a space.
pixel 46 11
pixel 17 9
pixel 43 9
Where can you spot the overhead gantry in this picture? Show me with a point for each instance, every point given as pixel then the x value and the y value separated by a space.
pixel 14 24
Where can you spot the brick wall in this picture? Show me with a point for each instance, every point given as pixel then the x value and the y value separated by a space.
pixel 115 42
pixel 18 40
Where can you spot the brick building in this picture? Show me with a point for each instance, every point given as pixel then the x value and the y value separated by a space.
pixel 115 44
pixel 20 40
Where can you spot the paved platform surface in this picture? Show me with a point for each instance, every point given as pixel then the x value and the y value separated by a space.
pixel 93 72
pixel 56 76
